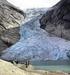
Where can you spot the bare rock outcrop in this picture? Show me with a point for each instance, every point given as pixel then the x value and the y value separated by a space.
pixel 10 21
pixel 10 16
pixel 57 20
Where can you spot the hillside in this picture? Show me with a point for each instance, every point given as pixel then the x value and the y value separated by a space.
pixel 57 20
pixel 10 20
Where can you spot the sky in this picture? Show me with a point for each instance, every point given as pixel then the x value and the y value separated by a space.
pixel 25 4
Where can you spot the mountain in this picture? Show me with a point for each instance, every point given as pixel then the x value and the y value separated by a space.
pixel 57 20
pixel 10 19
pixel 36 44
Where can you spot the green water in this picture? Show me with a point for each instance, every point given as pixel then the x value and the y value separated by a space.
pixel 52 65
pixel 57 68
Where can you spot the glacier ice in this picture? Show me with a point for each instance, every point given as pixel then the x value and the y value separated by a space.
pixel 36 44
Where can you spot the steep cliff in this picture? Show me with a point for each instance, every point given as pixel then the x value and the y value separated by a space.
pixel 57 20
pixel 10 16
pixel 10 19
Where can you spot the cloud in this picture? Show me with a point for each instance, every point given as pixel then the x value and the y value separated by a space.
pixel 23 4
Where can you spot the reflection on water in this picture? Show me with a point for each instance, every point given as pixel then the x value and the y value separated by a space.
pixel 52 65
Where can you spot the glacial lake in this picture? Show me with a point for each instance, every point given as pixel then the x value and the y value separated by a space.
pixel 59 66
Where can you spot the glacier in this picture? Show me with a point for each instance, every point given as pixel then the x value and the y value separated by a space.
pixel 36 44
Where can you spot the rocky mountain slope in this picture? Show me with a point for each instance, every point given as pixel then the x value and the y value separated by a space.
pixel 10 16
pixel 57 20
pixel 10 19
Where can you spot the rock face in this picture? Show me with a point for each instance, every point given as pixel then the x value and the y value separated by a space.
pixel 10 16
pixel 3 46
pixel 10 19
pixel 57 20
pixel 9 37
